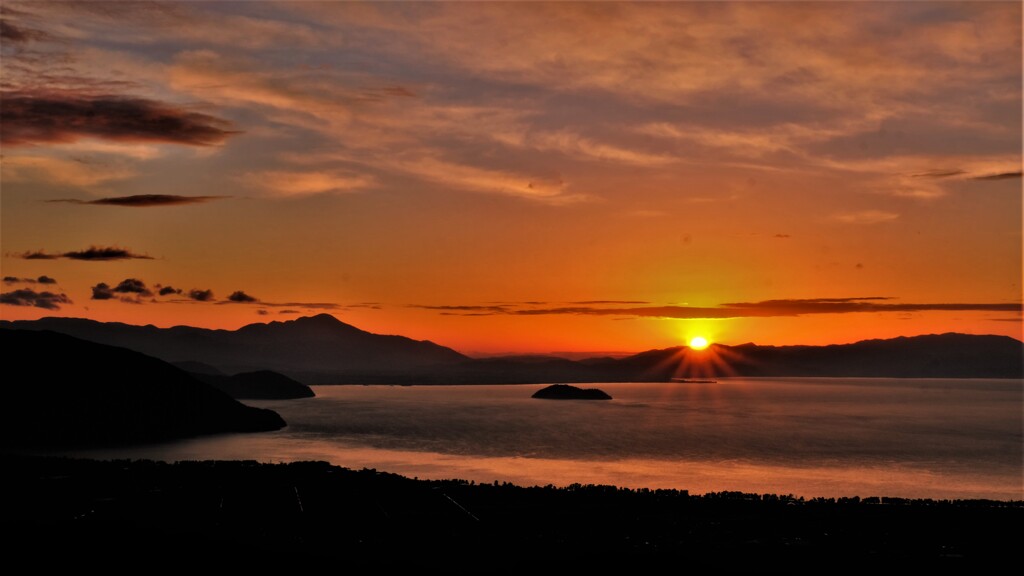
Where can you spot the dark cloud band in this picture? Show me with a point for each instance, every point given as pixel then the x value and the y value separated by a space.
pixel 144 200
pixel 30 118
pixel 100 253
pixel 764 309
pixel 1001 176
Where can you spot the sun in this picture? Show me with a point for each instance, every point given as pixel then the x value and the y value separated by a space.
pixel 699 343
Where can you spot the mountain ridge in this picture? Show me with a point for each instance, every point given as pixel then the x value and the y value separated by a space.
pixel 327 344
pixel 324 350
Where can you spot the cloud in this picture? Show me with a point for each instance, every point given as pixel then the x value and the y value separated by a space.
pixel 37 255
pixel 368 305
pixel 288 312
pixel 939 174
pixel 469 310
pixel 241 297
pixel 866 217
pixel 92 253
pixel 46 117
pixel 782 236
pixel 308 305
pixel 102 291
pixel 483 180
pixel 200 295
pixel 47 300
pixel 596 302
pixel 133 286
pixel 144 200
pixel 913 176
pixel 39 280
pixel 167 290
pixel 149 23
pixel 105 253
pixel 262 312
pixel 1001 176
pixel 572 144
pixel 763 309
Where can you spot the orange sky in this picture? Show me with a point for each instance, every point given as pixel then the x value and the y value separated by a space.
pixel 517 177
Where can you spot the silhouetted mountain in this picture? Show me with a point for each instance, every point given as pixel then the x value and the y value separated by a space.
pixel 317 344
pixel 63 391
pixel 567 392
pixel 259 385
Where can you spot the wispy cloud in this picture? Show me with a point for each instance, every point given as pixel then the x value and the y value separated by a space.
pixel 77 172
pixel 307 305
pixel 474 179
pixel 865 217
pixel 595 302
pixel 1000 176
pixel 939 174
pixel 304 183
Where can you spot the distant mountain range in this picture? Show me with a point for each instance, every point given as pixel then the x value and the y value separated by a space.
pixel 62 391
pixel 323 350
pixel 308 345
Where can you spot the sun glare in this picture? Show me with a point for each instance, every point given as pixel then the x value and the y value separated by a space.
pixel 699 342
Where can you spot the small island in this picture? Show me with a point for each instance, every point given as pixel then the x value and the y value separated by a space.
pixel 566 392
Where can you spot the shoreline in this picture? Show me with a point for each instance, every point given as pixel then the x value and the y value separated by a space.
pixel 310 510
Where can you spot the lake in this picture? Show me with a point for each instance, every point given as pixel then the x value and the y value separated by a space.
pixel 913 438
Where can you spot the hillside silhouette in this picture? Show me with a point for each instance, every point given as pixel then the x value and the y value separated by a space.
pixel 63 391
pixel 258 385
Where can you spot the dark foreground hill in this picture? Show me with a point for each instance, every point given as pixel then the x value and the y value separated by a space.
pixel 310 515
pixel 63 391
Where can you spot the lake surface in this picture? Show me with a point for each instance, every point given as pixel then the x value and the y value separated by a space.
pixel 806 436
